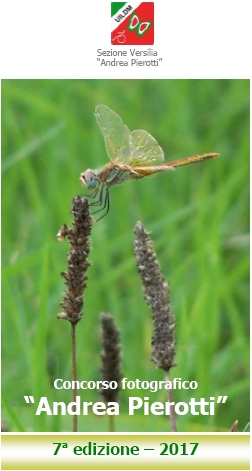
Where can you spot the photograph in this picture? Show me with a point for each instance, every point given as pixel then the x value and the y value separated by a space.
pixel 107 226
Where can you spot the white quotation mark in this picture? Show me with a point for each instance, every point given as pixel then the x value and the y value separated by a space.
pixel 221 399
pixel 29 399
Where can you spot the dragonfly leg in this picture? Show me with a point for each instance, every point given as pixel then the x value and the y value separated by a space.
pixel 105 205
pixel 102 200
pixel 93 195
pixel 99 200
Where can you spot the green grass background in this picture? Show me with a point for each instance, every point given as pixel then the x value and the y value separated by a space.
pixel 199 218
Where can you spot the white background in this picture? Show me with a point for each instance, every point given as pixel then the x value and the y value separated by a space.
pixel 59 39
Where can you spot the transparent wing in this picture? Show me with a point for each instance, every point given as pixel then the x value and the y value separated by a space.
pixel 115 133
pixel 144 149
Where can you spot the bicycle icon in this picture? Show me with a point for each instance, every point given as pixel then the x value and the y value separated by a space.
pixel 121 37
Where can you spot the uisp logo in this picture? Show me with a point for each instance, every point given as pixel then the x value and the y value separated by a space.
pixel 132 23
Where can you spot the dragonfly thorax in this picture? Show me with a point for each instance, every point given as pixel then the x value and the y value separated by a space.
pixel 88 179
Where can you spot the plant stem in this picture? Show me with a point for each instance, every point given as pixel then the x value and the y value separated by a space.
pixel 172 409
pixel 74 373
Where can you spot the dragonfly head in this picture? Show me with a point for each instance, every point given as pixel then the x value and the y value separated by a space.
pixel 88 179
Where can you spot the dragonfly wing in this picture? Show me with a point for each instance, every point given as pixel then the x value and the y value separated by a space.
pixel 115 133
pixel 144 149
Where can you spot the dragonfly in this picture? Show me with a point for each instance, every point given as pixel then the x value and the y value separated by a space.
pixel 133 155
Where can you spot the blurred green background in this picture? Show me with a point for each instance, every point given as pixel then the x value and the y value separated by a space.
pixel 199 218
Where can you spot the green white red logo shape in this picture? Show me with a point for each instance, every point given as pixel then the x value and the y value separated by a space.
pixel 132 23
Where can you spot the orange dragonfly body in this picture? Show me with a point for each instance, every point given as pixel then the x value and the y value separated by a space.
pixel 133 154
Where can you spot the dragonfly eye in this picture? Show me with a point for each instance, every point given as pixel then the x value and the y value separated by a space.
pixel 88 179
